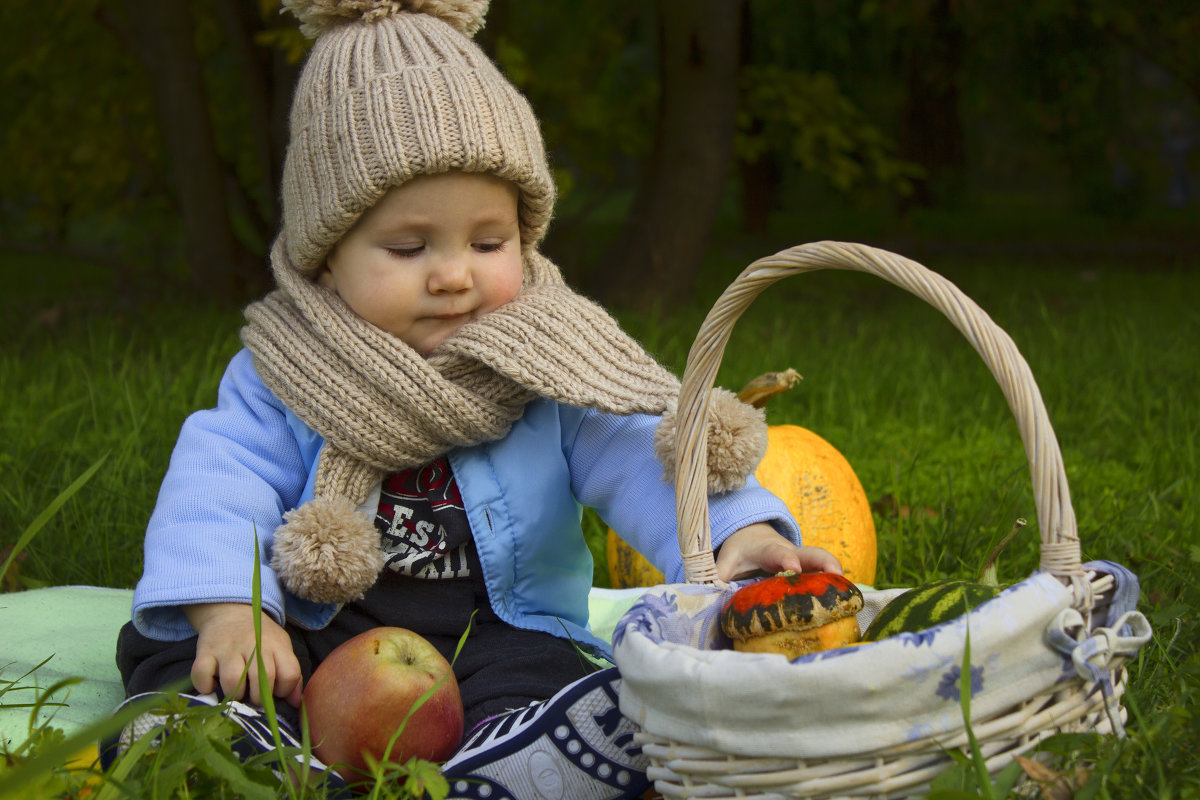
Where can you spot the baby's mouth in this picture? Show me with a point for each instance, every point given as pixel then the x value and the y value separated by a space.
pixel 453 315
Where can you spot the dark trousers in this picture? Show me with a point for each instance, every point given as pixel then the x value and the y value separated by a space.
pixel 500 667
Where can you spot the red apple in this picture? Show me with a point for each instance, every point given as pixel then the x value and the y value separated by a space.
pixel 359 695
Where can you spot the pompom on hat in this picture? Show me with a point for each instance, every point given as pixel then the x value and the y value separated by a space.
pixel 318 16
pixel 393 89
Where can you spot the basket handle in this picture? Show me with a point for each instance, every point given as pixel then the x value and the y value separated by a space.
pixel 1060 552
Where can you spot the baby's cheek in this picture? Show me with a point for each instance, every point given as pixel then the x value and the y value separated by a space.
pixel 508 283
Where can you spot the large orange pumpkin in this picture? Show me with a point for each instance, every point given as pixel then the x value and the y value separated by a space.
pixel 815 481
pixel 824 495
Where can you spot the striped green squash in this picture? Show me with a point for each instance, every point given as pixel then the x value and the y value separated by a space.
pixel 925 606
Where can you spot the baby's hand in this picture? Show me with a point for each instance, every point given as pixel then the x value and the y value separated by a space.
pixel 759 547
pixel 225 652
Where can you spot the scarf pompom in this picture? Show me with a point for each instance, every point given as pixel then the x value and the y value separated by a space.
pixel 327 551
pixel 737 441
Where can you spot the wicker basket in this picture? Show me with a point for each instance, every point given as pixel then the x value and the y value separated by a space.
pixel 684 764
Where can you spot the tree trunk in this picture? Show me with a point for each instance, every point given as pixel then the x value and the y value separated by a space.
pixel 666 234
pixel 160 33
pixel 931 131
pixel 759 179
pixel 238 21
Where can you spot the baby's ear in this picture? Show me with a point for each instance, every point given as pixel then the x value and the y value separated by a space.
pixel 324 277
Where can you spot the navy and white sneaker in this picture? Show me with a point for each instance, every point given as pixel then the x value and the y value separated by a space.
pixel 256 738
pixel 575 746
pixel 143 724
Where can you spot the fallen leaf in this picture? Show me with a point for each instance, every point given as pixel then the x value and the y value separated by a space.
pixel 888 506
pixel 1055 785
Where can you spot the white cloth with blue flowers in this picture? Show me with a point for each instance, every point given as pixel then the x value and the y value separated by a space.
pixel 682 682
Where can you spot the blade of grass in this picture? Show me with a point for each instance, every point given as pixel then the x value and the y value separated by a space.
pixel 43 699
pixel 228 768
pixel 982 777
pixel 264 690
pixel 7 686
pixel 57 754
pixel 114 784
pixel 49 511
pixel 117 781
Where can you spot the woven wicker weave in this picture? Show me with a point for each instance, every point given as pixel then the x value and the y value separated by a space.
pixel 681 770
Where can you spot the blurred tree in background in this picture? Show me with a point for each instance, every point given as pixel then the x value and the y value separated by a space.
pixel 148 136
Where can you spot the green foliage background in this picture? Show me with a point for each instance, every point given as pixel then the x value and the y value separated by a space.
pixel 1055 101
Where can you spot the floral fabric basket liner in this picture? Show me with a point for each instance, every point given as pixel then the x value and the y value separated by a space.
pixel 1046 656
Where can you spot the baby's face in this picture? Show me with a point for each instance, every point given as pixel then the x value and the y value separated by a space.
pixel 431 255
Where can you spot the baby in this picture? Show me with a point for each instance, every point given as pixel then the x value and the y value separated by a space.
pixel 420 410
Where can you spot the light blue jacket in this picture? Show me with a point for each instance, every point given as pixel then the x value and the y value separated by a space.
pixel 237 468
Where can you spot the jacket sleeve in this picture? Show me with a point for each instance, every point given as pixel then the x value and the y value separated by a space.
pixel 614 470
pixel 234 471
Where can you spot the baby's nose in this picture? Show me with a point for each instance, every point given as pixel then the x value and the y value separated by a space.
pixel 450 275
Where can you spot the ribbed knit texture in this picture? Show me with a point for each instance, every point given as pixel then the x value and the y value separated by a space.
pixel 392 95
pixel 383 407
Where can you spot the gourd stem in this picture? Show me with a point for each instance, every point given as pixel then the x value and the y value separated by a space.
pixel 989 574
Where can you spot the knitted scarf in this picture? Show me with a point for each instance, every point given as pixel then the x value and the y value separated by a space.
pixel 382 407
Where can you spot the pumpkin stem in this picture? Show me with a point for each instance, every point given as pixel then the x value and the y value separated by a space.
pixel 761 389
pixel 989 575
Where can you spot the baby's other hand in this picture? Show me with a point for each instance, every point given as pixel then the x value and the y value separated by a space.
pixel 759 547
pixel 225 654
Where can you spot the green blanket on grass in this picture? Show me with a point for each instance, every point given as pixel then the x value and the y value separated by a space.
pixel 73 630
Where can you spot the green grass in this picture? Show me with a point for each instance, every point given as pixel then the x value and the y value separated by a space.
pixel 887 380
pixel 94 386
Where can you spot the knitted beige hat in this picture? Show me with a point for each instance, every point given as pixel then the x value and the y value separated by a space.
pixel 394 89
